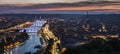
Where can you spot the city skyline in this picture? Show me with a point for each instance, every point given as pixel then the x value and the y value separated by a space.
pixel 59 6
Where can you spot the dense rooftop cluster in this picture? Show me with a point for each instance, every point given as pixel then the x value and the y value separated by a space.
pixel 74 30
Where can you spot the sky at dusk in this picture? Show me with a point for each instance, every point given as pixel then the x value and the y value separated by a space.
pixel 59 6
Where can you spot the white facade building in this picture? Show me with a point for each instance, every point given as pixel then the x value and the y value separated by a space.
pixel 34 27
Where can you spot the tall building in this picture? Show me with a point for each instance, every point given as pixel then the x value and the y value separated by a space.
pixel 86 25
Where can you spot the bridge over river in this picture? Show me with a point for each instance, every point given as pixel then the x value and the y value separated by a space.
pixel 34 39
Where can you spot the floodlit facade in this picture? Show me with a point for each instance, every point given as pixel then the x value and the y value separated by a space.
pixel 34 27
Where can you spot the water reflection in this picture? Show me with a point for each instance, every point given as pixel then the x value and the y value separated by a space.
pixel 28 46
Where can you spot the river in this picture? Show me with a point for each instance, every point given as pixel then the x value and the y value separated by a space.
pixel 29 44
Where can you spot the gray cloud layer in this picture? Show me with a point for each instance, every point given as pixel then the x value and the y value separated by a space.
pixel 8 8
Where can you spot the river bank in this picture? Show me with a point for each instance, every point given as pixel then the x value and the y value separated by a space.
pixel 31 42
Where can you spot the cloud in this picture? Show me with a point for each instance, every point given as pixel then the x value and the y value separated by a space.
pixel 80 6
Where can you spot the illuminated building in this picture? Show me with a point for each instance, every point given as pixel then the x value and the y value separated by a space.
pixel 34 27
pixel 103 29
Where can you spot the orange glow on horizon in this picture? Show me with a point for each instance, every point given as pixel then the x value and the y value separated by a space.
pixel 86 8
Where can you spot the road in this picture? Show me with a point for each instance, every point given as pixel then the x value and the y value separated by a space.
pixel 28 45
pixel 17 26
pixel 50 35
